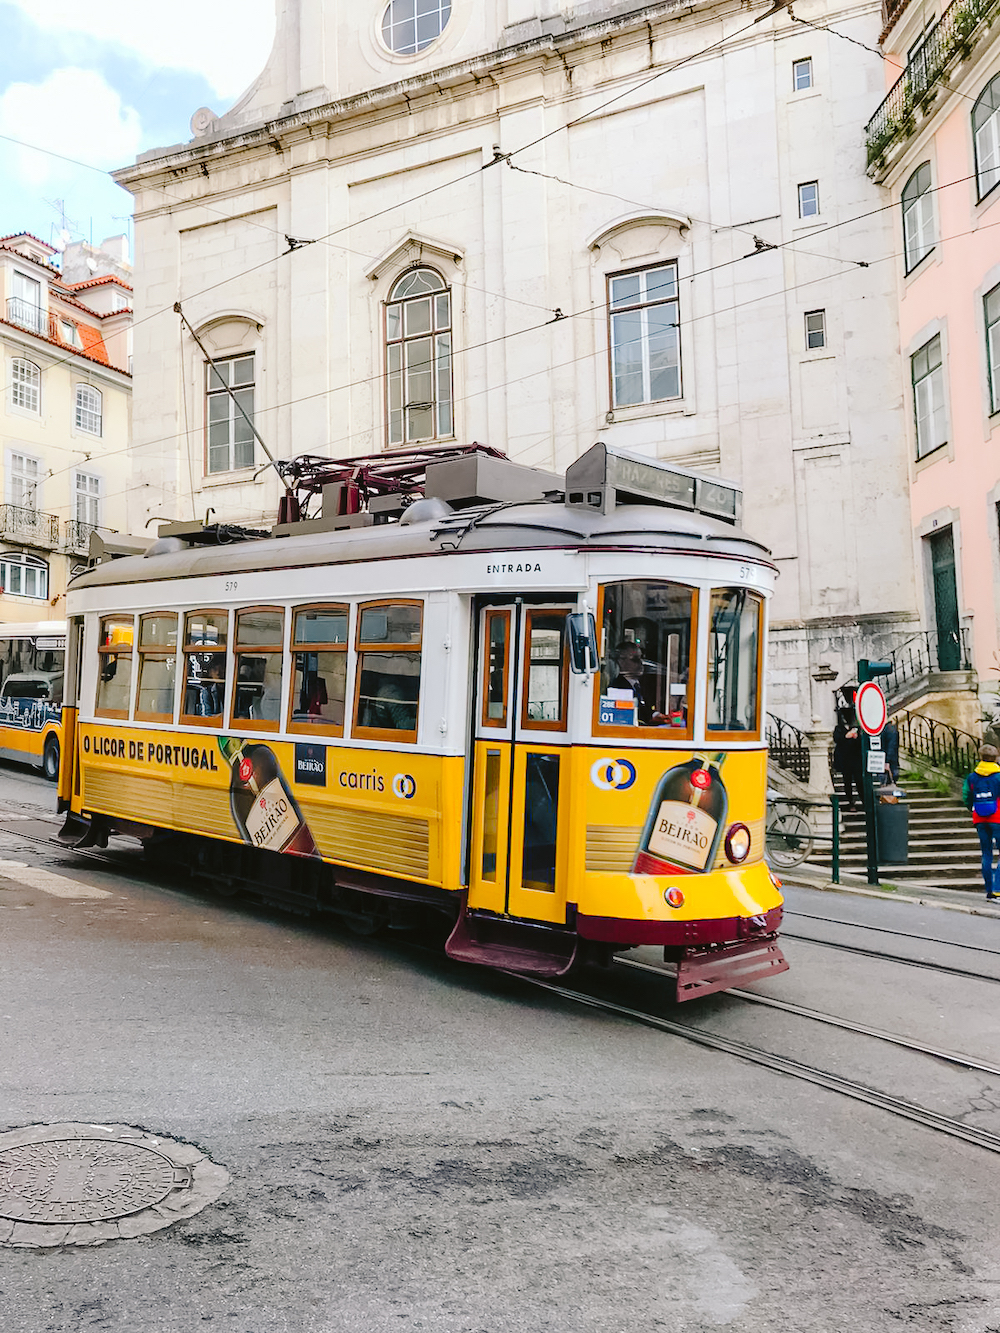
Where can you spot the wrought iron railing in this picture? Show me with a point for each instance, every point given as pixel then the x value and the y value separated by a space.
pixel 786 747
pixel 27 315
pixel 951 39
pixel 29 525
pixel 78 535
pixel 925 652
pixel 937 743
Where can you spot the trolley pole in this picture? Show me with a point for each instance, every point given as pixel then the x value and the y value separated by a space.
pixel 869 671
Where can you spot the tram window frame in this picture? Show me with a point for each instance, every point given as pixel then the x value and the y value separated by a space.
pixel 505 618
pixel 194 719
pixel 647 731
pixel 362 647
pixel 155 653
pixel 749 734
pixel 546 724
pixel 240 651
pixel 316 723
pixel 106 650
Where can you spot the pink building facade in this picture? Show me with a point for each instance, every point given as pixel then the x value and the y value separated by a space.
pixel 935 144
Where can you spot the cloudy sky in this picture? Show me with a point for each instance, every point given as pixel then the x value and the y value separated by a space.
pixel 102 80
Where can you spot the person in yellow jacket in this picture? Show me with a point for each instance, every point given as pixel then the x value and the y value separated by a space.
pixel 981 794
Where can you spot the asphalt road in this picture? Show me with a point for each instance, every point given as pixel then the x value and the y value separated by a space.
pixel 415 1144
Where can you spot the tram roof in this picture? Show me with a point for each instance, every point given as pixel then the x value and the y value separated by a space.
pixel 511 527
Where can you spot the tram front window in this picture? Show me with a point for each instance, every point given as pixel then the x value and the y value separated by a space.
pixel 734 662
pixel 646 647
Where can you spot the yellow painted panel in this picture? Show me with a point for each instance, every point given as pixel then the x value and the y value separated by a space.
pixel 390 843
pixel 159 801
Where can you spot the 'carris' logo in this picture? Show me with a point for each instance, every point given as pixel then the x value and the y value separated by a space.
pixel 404 786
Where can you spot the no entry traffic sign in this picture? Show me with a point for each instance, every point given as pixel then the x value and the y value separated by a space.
pixel 869 704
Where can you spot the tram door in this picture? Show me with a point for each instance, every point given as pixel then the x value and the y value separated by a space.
pixel 520 762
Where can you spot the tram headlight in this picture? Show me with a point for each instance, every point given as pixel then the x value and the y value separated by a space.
pixel 673 897
pixel 737 843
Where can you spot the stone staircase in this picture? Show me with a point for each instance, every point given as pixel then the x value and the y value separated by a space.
pixel 943 846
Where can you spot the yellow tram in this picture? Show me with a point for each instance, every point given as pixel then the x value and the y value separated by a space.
pixel 534 703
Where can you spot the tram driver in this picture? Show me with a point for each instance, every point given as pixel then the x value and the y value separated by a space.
pixel 628 659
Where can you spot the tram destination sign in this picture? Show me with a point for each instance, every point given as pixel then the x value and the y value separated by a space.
pixel 604 475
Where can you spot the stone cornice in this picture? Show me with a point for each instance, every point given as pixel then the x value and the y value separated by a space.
pixel 475 69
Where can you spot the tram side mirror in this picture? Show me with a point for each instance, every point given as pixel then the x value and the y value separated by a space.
pixel 582 643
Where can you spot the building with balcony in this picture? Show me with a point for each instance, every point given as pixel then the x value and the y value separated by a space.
pixel 934 145
pixel 65 418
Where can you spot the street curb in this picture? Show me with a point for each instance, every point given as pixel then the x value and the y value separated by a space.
pixel 865 891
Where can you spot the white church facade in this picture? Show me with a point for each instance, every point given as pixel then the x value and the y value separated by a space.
pixel 537 225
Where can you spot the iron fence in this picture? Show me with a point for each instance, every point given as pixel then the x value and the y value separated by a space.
pixel 77 536
pixel 925 652
pixel 950 40
pixel 29 525
pixel 937 743
pixel 786 747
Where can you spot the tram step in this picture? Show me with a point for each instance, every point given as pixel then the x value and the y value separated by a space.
pixel 514 945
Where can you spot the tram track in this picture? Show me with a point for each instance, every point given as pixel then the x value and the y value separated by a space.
pixel 846 1087
pixel 850 1088
pixel 887 930
pixel 945 968
pixel 833 1020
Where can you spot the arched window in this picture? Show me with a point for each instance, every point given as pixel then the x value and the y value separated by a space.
pixel 418 358
pixel 25 384
pixel 918 216
pixel 986 136
pixel 23 575
pixel 88 409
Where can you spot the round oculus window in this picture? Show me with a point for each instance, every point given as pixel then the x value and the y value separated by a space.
pixel 410 25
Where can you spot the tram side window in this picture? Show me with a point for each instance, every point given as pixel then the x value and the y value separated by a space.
pixel 734 662
pixel 114 681
pixel 154 700
pixel 546 665
pixel 319 669
pixel 647 638
pixel 205 636
pixel 260 633
pixel 388 683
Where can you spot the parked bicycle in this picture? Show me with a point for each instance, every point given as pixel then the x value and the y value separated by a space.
pixel 788 834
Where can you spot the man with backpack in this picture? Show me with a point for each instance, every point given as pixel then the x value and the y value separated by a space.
pixel 981 794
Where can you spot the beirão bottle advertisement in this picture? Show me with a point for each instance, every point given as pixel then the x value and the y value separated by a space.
pixel 686 819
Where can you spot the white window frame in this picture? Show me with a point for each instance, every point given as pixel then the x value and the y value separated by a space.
pixel 816 329
pixel 991 316
pixel 24 480
pixel 399 15
pixel 929 407
pixel 918 217
pixel 15 566
pixel 87 498
pixel 986 138
pixel 221 411
pixel 88 413
pixel 623 311
pixel 806 199
pixel 26 385
pixel 804 65
pixel 403 370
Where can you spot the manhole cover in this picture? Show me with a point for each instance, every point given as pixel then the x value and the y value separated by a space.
pixel 83 1180
pixel 84 1184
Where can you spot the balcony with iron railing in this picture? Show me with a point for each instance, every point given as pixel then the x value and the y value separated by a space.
pixel 76 536
pixel 924 654
pixel 30 526
pixel 28 316
pixel 961 28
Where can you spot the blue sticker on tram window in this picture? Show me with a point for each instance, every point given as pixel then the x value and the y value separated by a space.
pixel 310 765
